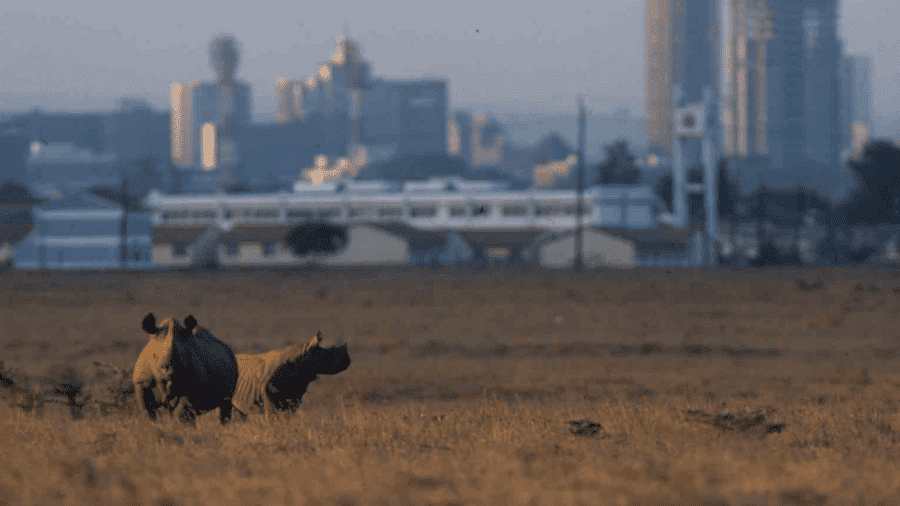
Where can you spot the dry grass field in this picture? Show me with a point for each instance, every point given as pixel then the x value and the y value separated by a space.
pixel 626 387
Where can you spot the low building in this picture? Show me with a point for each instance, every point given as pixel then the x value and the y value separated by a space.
pixel 598 249
pixel 84 232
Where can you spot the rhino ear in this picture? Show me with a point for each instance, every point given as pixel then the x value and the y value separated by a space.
pixel 190 322
pixel 149 324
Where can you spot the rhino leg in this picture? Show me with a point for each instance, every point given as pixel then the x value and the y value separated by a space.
pixel 238 414
pixel 146 398
pixel 268 405
pixel 225 411
pixel 185 411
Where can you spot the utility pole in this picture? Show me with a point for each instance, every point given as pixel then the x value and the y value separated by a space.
pixel 123 225
pixel 579 231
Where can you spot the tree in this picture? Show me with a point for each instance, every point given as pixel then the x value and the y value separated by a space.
pixel 619 167
pixel 877 200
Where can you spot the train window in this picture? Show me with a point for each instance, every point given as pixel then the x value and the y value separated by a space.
pixel 268 249
pixel 231 249
pixel 326 214
pixel 515 210
pixel 179 249
pixel 266 213
pixel 422 212
pixel 303 214
pixel 481 210
pixel 362 212
pixel 204 214
pixel 390 212
pixel 457 211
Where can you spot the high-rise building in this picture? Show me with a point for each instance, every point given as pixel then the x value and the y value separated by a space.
pixel 209 107
pixel 744 115
pixel 136 131
pixel 284 93
pixel 683 41
pixel 182 141
pixel 856 90
pixel 460 140
pixel 13 153
pixel 803 109
pixel 783 120
pixel 410 116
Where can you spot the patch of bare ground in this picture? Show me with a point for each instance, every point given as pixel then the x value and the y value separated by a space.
pixel 635 387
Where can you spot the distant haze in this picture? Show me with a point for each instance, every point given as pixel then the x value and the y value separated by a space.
pixel 503 57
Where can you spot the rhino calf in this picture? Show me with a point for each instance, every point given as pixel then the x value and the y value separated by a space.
pixel 184 370
pixel 276 380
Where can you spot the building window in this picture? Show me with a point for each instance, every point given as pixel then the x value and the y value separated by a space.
pixel 268 249
pixel 179 249
pixel 231 249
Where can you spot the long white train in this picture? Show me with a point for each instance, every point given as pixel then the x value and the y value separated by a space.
pixel 485 214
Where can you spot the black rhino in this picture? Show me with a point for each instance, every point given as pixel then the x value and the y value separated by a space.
pixel 276 380
pixel 184 370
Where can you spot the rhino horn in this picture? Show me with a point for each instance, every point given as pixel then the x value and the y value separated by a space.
pixel 149 324
pixel 190 323
pixel 316 341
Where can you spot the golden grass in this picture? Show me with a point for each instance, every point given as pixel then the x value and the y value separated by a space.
pixel 463 385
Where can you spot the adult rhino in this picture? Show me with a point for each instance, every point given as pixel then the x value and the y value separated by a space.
pixel 184 370
pixel 276 380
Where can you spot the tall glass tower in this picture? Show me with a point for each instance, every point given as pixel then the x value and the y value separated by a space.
pixel 803 80
pixel 683 46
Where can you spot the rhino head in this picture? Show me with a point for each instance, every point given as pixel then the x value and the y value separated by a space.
pixel 158 365
pixel 288 373
pixel 322 360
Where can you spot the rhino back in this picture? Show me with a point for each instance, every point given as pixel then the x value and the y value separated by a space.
pixel 252 373
pixel 211 361
pixel 208 366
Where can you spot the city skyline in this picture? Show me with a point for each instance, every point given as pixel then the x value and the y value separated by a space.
pixel 529 60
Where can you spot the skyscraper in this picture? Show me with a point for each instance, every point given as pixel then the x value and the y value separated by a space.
pixel 182 120
pixel 803 87
pixel 284 93
pixel 744 115
pixel 683 41
pixel 209 104
pixel 856 90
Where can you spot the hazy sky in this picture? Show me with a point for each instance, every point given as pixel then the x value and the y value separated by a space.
pixel 510 56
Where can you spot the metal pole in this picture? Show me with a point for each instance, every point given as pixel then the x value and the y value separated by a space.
pixel 710 155
pixel 679 198
pixel 123 225
pixel 579 239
